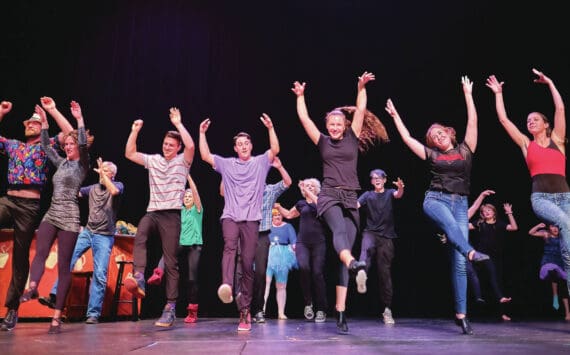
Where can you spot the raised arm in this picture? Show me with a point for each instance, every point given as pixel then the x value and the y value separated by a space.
pixel 516 135
pixel 104 179
pixel 51 153
pixel 131 152
pixel 559 128
pixel 49 105
pixel 539 231
pixel 471 129
pixel 5 107
pixel 203 143
pixel 176 120
pixel 273 141
pixel 477 203
pixel 284 174
pixel 512 226
pixel 415 146
pixel 308 124
pixel 195 193
pixel 361 101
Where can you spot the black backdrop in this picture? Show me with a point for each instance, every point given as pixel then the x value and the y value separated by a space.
pixel 231 61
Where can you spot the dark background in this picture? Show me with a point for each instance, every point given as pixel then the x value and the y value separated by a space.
pixel 232 61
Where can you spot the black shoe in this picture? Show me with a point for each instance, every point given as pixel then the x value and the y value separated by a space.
pixel 259 317
pixel 48 301
pixel 10 320
pixel 465 326
pixel 55 329
pixel 341 325
pixel 480 300
pixel 29 294
pixel 477 257
pixel 355 266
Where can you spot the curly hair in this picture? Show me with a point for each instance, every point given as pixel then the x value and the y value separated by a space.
pixel 75 135
pixel 373 130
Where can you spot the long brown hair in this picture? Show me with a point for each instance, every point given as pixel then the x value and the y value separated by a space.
pixel 373 130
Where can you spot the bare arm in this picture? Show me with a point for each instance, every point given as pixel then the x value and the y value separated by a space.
pixel 539 231
pixel 477 203
pixel 203 143
pixel 287 213
pixel 361 101
pixel 284 174
pixel 176 120
pixel 104 179
pixel 512 226
pixel 559 128
pixel 308 124
pixel 48 104
pixel 516 135
pixel 273 141
pixel 471 130
pixel 415 146
pixel 195 193
pixel 131 152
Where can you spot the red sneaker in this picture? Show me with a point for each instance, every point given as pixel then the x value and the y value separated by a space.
pixel 244 320
pixel 192 314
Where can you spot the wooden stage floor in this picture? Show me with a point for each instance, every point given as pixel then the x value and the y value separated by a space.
pixel 292 336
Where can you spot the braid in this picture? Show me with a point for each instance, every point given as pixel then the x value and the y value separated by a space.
pixel 373 130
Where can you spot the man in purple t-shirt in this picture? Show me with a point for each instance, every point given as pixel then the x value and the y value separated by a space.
pixel 244 182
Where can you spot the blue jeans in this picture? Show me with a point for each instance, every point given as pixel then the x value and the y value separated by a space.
pixel 554 208
pixel 449 213
pixel 101 246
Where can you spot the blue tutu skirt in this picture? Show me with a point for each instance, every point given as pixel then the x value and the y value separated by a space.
pixel 281 258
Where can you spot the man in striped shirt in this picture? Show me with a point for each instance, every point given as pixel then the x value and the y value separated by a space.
pixel 167 182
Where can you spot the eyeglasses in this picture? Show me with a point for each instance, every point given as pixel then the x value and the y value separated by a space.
pixel 376 178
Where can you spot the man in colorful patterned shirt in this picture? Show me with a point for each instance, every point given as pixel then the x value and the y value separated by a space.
pixel 20 208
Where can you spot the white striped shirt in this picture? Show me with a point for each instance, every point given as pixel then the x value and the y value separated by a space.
pixel 167 181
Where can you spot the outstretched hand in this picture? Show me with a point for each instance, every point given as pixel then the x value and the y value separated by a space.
pixel 175 117
pixel 486 193
pixel 76 110
pixel 399 183
pixel 43 117
pixel 47 103
pixel 508 208
pixel 494 84
pixel 542 79
pixel 99 168
pixel 266 120
pixel 298 88
pixel 364 79
pixel 204 125
pixel 390 108
pixel 467 85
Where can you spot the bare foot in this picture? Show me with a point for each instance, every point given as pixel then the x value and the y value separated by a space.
pixel 505 318
pixel 505 299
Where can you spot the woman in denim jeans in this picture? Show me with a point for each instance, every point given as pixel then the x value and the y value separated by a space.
pixel 445 201
pixel 545 157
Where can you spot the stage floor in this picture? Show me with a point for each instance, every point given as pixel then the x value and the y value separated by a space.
pixel 293 336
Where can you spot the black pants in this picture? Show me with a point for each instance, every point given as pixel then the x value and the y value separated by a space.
pixel 24 215
pixel 260 266
pixel 374 246
pixel 311 258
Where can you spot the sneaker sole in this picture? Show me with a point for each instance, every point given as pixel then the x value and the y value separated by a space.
pixel 361 281
pixel 132 287
pixel 163 325
pixel 225 294
pixel 244 329
pixel 46 303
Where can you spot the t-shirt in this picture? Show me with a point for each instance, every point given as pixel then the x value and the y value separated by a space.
pixel 244 182
pixel 103 207
pixel 191 226
pixel 340 159
pixel 490 238
pixel 311 228
pixel 379 212
pixel 451 170
pixel 167 181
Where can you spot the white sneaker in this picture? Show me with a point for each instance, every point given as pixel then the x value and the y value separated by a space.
pixel 387 316
pixel 361 281
pixel 225 293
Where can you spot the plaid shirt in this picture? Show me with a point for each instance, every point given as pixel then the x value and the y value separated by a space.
pixel 270 195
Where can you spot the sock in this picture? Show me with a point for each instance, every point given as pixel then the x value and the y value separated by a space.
pixel 555 304
pixel 171 304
